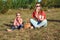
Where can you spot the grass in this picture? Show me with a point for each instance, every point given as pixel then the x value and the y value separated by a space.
pixel 51 32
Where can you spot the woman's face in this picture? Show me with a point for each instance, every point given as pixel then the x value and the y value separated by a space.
pixel 38 6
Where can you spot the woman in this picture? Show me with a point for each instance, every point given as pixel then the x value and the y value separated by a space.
pixel 40 17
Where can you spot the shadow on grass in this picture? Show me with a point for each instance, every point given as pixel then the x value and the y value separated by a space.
pixel 9 25
pixel 53 20
pixel 50 20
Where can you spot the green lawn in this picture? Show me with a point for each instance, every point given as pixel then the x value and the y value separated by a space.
pixel 51 32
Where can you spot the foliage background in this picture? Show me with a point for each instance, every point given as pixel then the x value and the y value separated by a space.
pixel 16 4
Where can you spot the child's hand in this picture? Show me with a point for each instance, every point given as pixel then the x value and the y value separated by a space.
pixel 15 26
pixel 18 19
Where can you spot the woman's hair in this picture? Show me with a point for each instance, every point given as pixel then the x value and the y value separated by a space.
pixel 38 3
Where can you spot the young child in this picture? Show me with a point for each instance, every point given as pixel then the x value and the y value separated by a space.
pixel 17 23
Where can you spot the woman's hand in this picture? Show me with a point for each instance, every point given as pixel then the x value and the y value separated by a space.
pixel 41 18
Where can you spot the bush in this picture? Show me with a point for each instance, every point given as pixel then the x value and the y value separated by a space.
pixel 3 6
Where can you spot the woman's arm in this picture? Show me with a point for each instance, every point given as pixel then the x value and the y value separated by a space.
pixel 42 16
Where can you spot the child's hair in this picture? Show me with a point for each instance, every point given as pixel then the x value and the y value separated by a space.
pixel 18 13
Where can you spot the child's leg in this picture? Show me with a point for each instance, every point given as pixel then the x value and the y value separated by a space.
pixel 21 26
pixel 13 28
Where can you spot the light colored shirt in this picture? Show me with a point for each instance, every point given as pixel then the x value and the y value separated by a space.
pixel 17 21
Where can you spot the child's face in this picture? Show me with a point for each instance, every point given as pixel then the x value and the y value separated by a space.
pixel 18 15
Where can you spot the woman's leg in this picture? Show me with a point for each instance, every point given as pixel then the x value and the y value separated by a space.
pixel 33 22
pixel 43 23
